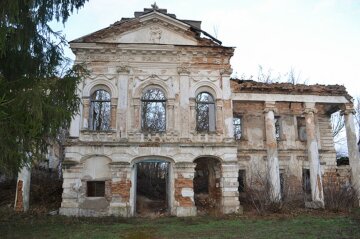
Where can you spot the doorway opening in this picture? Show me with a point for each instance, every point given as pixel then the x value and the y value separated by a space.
pixel 152 188
pixel 207 185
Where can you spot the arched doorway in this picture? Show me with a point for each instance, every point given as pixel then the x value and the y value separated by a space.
pixel 207 189
pixel 152 187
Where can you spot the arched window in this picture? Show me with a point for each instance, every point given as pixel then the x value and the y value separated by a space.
pixel 153 104
pixel 205 112
pixel 100 111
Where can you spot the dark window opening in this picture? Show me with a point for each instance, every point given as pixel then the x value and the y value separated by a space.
pixel 237 120
pixel 301 125
pixel 242 180
pixel 282 184
pixel 100 112
pixel 96 188
pixel 306 181
pixel 153 111
pixel 205 112
pixel 277 128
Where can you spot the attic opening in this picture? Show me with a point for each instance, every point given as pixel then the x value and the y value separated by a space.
pixel 207 190
pixel 152 187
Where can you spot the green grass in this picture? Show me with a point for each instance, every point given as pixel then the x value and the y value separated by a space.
pixel 281 226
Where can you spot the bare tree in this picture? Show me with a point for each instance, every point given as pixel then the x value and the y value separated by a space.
pixel 293 77
pixel 268 76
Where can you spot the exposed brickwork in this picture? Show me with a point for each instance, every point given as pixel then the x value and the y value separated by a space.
pixel 108 190
pixel 339 175
pixel 181 183
pixel 281 88
pixel 122 189
pixel 19 199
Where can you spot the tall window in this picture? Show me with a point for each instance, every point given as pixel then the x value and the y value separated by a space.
pixel 100 113
pixel 153 111
pixel 205 112
pixel 237 120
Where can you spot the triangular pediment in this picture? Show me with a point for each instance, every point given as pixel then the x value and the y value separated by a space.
pixel 150 28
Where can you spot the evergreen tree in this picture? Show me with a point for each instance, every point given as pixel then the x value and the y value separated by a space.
pixel 36 97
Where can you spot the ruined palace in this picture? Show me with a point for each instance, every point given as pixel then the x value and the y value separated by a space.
pixel 159 97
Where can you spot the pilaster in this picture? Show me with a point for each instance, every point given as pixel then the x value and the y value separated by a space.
pixel 184 189
pixel 230 194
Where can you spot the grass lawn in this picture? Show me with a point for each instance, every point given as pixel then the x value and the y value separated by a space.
pixel 306 225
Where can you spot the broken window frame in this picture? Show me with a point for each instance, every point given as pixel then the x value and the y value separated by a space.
pixel 153 111
pixel 205 112
pixel 95 188
pixel 238 127
pixel 100 110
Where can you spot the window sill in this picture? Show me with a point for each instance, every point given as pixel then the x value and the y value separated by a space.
pixel 88 131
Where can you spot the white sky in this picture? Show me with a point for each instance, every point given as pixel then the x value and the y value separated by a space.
pixel 319 38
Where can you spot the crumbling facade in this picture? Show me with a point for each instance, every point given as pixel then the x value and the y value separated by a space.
pixel 159 90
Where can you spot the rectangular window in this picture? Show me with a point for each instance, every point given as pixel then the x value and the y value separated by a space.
pixel 301 126
pixel 237 120
pixel 242 180
pixel 277 127
pixel 96 188
pixel 306 181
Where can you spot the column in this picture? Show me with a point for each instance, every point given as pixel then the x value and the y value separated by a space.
pixel 272 152
pixel 136 116
pixel 170 116
pixel 75 125
pixel 184 189
pixel 184 103
pixel 23 190
pixel 230 194
pixel 353 150
pixel 219 116
pixel 86 103
pixel 122 105
pixel 113 114
pixel 122 199
pixel 192 115
pixel 317 193
pixel 227 109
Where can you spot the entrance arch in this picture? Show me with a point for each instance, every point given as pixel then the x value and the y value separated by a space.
pixel 207 187
pixel 153 186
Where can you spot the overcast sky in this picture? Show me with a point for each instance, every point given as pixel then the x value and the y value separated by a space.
pixel 319 38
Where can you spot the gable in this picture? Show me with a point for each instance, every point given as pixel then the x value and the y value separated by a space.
pixel 151 28
pixel 152 33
